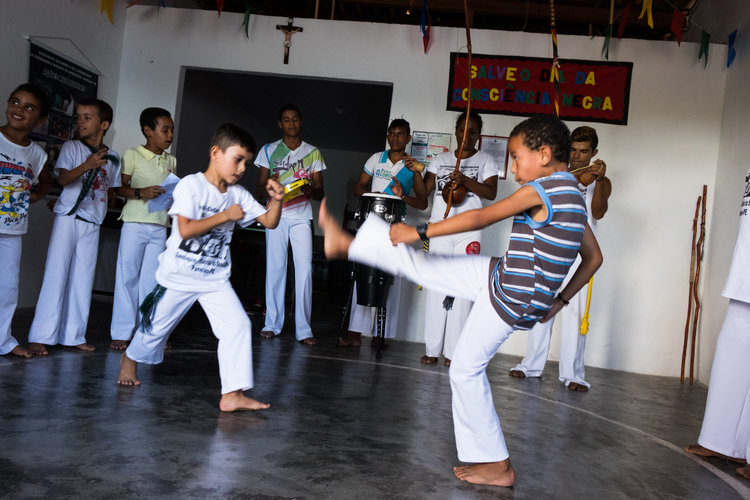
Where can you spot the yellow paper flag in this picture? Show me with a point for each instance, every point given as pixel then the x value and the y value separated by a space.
pixel 646 9
pixel 108 6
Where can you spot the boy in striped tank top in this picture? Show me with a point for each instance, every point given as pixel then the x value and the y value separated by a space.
pixel 509 293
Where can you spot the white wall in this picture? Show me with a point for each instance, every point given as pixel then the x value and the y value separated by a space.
pixel 657 163
pixel 60 27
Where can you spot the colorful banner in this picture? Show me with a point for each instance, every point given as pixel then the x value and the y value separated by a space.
pixel 594 91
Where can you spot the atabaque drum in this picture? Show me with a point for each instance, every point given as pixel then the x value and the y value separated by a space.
pixel 372 284
pixel 386 206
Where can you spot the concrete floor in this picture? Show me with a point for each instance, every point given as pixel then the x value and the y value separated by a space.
pixel 342 424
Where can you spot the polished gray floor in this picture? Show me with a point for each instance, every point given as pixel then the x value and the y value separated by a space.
pixel 342 424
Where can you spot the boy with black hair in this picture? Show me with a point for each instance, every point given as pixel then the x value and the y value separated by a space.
pixel 22 163
pixel 206 207
pixel 290 160
pixel 395 173
pixel 144 233
pixel 87 170
pixel 549 230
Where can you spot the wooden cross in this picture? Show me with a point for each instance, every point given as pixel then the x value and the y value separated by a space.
pixel 289 29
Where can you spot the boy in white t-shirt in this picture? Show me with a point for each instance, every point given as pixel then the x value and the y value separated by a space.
pixel 22 164
pixel 196 267
pixel 144 233
pixel 87 170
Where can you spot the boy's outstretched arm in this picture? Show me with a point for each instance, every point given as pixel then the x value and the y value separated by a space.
pixel 275 191
pixel 591 259
pixel 524 199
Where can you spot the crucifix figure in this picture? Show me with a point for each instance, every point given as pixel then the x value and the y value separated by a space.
pixel 289 29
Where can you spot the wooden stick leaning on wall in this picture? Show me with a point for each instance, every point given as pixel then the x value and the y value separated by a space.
pixel 699 259
pixel 690 291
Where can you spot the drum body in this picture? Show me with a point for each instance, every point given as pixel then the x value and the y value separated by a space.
pixel 373 285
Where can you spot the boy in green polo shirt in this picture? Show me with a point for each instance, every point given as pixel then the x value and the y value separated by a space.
pixel 144 234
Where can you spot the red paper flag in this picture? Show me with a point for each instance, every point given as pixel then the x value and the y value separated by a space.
pixel 678 18
pixel 624 20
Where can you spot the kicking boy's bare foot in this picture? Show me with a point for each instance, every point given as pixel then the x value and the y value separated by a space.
pixel 349 339
pixel 20 352
pixel 577 387
pixel 428 360
pixel 37 349
pixel 236 400
pixel 336 241
pixel 494 473
pixel 517 374
pixel 127 375
pixel 696 449
pixel 744 471
pixel 118 345
pixel 84 347
pixel 309 341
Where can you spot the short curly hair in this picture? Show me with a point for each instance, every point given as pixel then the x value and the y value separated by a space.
pixel 545 130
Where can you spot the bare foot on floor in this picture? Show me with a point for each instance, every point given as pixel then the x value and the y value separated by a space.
pixel 494 473
pixel 37 349
pixel 83 347
pixel 309 341
pixel 119 345
pixel 336 240
pixel 234 401
pixel 168 346
pixel 20 352
pixel 517 374
pixel 428 360
pixel 127 375
pixel 696 449
pixel 267 334
pixel 744 471
pixel 349 339
pixel 577 387
pixel 447 362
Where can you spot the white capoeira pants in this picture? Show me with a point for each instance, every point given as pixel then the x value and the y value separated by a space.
pixel 726 423
pixel 10 250
pixel 135 276
pixel 363 319
pixel 572 343
pixel 62 310
pixel 229 323
pixel 441 326
pixel 299 233
pixel 479 437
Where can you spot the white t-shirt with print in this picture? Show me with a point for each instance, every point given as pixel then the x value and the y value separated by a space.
pixel 202 263
pixel 20 167
pixel 93 208
pixel 480 167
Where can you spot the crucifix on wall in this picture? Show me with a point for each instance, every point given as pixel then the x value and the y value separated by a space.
pixel 289 29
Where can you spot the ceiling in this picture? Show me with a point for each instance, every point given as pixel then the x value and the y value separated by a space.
pixel 572 17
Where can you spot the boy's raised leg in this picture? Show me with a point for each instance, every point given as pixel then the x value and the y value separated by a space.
pixel 127 375
pixel 37 349
pixel 336 240
pixel 494 473
pixel 236 400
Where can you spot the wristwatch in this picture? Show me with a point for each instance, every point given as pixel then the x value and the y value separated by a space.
pixel 137 193
pixel 422 231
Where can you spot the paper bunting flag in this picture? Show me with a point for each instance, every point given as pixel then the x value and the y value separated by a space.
pixel 625 15
pixel 646 9
pixel 246 20
pixel 425 25
pixel 108 6
pixel 607 38
pixel 678 19
pixel 731 52
pixel 554 76
pixel 219 5
pixel 136 2
pixel 705 40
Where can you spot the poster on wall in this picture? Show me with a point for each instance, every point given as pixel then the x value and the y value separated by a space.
pixel 426 145
pixel 592 91
pixel 66 84
pixel 497 148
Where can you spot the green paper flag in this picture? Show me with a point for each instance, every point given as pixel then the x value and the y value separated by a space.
pixel 246 21
pixel 705 40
